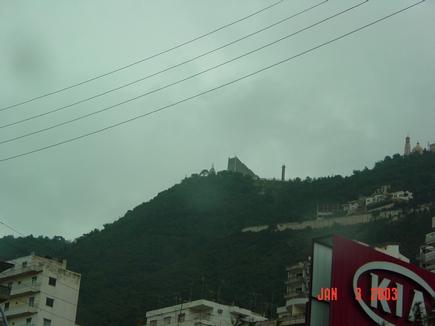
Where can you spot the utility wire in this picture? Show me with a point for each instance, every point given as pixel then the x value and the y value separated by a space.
pixel 183 79
pixel 212 89
pixel 140 61
pixel 41 309
pixel 81 291
pixel 30 286
pixel 162 71
pixel 42 245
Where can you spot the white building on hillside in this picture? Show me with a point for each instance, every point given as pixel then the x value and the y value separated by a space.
pixel 42 292
pixel 401 195
pixel 200 313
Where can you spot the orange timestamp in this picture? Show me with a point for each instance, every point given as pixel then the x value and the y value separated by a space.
pixel 379 294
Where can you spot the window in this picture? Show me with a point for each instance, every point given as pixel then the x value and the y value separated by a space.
pixel 34 279
pixel 181 317
pixel 24 264
pixel 166 320
pixel 7 306
pixel 31 301
pixel 49 302
pixel 10 285
pixel 47 322
pixel 28 321
pixel 52 281
pixel 153 322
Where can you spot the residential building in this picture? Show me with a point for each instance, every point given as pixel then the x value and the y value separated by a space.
pixel 401 195
pixel 392 249
pixel 352 206
pixel 200 313
pixel 427 251
pixel 324 210
pixel 42 292
pixel 298 278
pixel 4 291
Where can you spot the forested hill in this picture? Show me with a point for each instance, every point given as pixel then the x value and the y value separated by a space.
pixel 186 242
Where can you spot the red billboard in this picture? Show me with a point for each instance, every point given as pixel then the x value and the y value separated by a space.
pixel 353 284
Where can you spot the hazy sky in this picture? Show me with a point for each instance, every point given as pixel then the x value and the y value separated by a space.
pixel 332 110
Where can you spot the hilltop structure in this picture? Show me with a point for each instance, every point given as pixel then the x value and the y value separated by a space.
pixel 42 292
pixel 235 165
pixel 417 149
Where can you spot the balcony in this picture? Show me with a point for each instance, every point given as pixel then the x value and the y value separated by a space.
pixel 427 257
pixel 430 238
pixel 299 302
pixel 28 288
pixel 21 310
pixel 295 294
pixel 295 279
pixel 22 270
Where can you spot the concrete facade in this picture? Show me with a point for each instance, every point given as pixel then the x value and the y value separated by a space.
pixel 294 311
pixel 42 292
pixel 201 313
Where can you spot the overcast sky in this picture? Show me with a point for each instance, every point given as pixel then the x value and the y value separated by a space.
pixel 332 110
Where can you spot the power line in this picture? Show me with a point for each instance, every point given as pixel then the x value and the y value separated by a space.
pixel 140 61
pixel 31 286
pixel 161 71
pixel 184 79
pixel 41 309
pixel 215 88
pixel 81 291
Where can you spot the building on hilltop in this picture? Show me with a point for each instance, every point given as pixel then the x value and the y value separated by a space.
pixel 407 145
pixel 417 149
pixel 200 313
pixel 42 292
pixel 235 165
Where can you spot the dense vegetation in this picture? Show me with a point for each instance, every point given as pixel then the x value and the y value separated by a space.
pixel 186 242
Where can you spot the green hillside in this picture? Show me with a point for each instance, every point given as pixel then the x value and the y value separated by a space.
pixel 187 243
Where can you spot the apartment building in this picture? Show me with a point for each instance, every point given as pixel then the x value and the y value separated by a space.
pixel 201 313
pixel 42 292
pixel 298 278
pixel 427 253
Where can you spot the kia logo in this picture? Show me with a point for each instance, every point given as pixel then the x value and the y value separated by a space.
pixel 385 291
